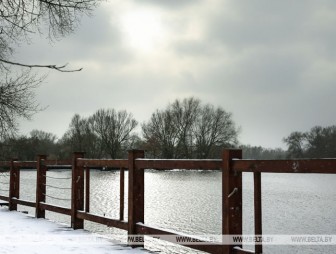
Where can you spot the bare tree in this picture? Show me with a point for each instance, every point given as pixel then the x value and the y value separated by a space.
pixel 296 143
pixel 319 142
pixel 17 100
pixel 19 19
pixel 185 115
pixel 81 138
pixel 187 129
pixel 114 129
pixel 214 129
pixel 161 134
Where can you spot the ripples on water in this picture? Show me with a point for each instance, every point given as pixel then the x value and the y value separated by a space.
pixel 190 202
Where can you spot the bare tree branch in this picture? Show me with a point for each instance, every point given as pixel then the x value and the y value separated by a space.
pixel 17 100
pixel 18 20
pixel 54 67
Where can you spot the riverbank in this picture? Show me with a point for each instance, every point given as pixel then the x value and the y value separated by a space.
pixel 22 233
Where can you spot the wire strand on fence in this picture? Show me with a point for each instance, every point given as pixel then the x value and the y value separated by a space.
pixel 58 178
pixel 4 190
pixel 56 187
pixel 64 199
pixel 6 183
pixel 4 175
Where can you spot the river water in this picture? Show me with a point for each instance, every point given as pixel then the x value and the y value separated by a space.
pixel 190 202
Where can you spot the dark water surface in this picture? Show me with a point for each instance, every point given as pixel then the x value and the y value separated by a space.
pixel 190 202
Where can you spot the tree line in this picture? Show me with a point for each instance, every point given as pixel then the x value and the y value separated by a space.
pixel 185 129
pixel 319 142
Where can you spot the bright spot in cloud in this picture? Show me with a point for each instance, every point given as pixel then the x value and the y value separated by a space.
pixel 143 30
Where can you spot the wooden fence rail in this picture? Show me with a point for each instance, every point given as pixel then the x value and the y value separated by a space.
pixel 231 165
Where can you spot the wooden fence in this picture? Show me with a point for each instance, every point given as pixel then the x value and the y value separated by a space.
pixel 231 165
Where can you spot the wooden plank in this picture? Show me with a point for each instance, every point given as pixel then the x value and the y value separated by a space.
pixel 96 163
pixel 87 190
pixel 77 191
pixel 4 198
pixel 5 164
pixel 55 167
pixel 231 198
pixel 57 162
pixel 102 220
pixel 136 193
pixel 55 209
pixel 40 186
pixel 14 185
pixel 316 166
pixel 179 164
pixel 201 245
pixel 23 202
pixel 122 193
pixel 25 164
pixel 257 210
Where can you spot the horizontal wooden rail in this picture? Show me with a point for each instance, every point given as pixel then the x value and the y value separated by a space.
pixel 51 167
pixel 23 202
pixel 208 246
pixel 5 164
pixel 318 166
pixel 25 164
pixel 56 162
pixel 56 209
pixel 95 163
pixel 102 220
pixel 178 164
pixel 32 164
pixel 4 198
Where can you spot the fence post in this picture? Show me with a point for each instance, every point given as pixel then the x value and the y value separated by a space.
pixel 77 191
pixel 136 193
pixel 87 189
pixel 232 198
pixel 40 186
pixel 14 185
pixel 122 193
pixel 258 211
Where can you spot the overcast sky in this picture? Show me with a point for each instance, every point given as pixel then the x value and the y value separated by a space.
pixel 271 63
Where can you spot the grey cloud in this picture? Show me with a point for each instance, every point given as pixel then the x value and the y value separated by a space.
pixel 270 63
pixel 264 22
pixel 97 37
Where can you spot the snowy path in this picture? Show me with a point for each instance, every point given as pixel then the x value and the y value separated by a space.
pixel 21 233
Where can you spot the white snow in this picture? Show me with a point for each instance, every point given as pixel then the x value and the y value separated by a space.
pixel 22 233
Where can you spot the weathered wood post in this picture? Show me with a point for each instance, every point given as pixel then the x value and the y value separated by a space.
pixel 232 198
pixel 40 185
pixel 77 191
pixel 87 189
pixel 258 211
pixel 14 185
pixel 122 193
pixel 136 195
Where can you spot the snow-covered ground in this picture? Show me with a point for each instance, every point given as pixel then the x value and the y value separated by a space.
pixel 21 233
